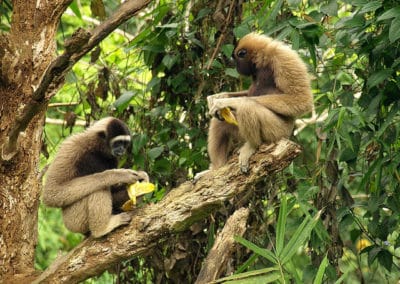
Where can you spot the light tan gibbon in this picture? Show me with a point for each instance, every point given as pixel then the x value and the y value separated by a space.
pixel 83 175
pixel 280 92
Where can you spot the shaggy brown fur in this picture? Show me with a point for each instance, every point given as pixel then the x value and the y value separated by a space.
pixel 279 93
pixel 80 178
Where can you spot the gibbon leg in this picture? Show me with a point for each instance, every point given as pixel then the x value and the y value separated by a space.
pixel 220 138
pixel 258 124
pixel 101 220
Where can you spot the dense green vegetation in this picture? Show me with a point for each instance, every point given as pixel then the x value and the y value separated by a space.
pixel 156 72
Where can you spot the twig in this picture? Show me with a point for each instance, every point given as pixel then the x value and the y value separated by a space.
pixel 222 36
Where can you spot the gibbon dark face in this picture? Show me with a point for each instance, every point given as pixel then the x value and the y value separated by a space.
pixel 117 137
pixel 244 64
pixel 119 145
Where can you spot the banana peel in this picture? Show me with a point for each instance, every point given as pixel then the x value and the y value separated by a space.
pixel 135 190
pixel 228 116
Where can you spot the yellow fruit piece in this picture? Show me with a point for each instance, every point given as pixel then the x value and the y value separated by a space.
pixel 138 189
pixel 228 116
pixel 135 190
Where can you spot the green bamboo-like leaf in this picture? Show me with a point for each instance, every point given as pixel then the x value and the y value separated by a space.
pixel 261 251
pixel 265 275
pixel 299 237
pixel 247 263
pixel 281 225
pixel 394 30
pixel 321 270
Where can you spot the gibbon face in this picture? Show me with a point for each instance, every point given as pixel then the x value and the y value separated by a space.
pixel 244 64
pixel 117 138
pixel 250 54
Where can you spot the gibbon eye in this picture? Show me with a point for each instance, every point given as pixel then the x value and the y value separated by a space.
pixel 242 53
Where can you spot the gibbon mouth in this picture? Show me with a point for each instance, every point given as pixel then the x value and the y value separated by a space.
pixel 118 151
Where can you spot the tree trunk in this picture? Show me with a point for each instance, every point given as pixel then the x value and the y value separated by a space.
pixel 29 77
pixel 25 54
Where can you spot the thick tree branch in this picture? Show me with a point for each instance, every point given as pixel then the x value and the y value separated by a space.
pixel 224 246
pixel 176 212
pixel 76 47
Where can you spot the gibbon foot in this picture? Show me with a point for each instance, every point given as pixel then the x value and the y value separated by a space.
pixel 114 222
pixel 245 152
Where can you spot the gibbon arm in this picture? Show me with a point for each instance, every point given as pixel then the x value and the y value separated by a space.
pixel 63 194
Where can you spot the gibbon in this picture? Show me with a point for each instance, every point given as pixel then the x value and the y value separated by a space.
pixel 83 174
pixel 280 92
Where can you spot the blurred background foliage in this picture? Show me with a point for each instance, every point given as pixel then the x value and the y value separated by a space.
pixel 155 73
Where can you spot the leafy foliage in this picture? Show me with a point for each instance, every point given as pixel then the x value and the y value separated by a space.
pixel 156 72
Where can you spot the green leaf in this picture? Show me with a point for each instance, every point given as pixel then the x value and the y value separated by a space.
pixel 232 72
pixel 227 50
pixel 378 77
pixel 385 258
pixel 372 254
pixel 394 30
pixel 169 61
pixel 275 10
pixel 154 153
pixel 122 102
pixel 75 8
pixel 138 142
pixel 331 8
pixel 260 251
pixel 265 275
pixel 299 237
pixel 371 6
pixel 321 270
pixel 281 225
pixel 392 13
pixel 247 263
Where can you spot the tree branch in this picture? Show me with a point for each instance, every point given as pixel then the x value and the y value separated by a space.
pixel 176 212
pixel 224 246
pixel 76 47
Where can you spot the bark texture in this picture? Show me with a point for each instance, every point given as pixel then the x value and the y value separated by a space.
pixel 29 77
pixel 224 246
pixel 176 212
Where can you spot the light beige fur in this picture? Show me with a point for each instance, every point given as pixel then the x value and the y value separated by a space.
pixel 86 201
pixel 267 116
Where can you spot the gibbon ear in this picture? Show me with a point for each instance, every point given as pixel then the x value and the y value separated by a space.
pixel 102 134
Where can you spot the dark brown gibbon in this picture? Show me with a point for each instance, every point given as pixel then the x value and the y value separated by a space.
pixel 83 174
pixel 280 92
